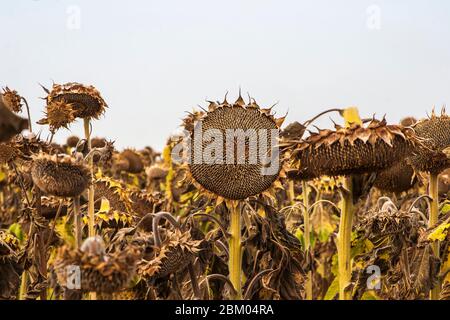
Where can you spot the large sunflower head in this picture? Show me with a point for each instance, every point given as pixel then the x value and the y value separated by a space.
pixel 12 100
pixel 233 148
pixel 58 114
pixel 86 100
pixel 60 175
pixel 351 150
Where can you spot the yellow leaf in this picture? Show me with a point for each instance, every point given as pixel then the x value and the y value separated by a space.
pixel 103 216
pixel 333 290
pixel 104 206
pixel 445 207
pixel 440 233
pixel 370 295
pixel 351 115
pixel 116 216
pixel 262 212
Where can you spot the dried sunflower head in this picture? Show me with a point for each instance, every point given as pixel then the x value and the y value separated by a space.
pixel 10 123
pixel 72 141
pixel 97 142
pixel 12 100
pixel 99 272
pixel 50 206
pixel 58 114
pixel 132 161
pixel 143 203
pixel 397 178
pixel 233 149
pixel 174 255
pixel 113 191
pixel 435 156
pixel 60 175
pixel 86 100
pixel 352 150
pixel 10 269
pixel 7 153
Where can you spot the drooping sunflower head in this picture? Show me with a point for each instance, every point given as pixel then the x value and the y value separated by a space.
pixel 58 114
pixel 399 177
pixel 7 153
pixel 60 175
pixel 72 141
pixel 99 272
pixel 435 156
pixel 351 150
pixel 177 251
pixel 132 161
pixel 233 149
pixel 12 100
pixel 86 100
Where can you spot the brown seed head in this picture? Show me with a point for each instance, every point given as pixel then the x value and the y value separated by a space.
pixel 58 114
pixel 135 164
pixel 60 175
pixel 240 174
pixel 99 272
pixel 86 100
pixel 72 141
pixel 435 132
pixel 12 100
pixel 352 150
pixel 175 254
pixel 397 178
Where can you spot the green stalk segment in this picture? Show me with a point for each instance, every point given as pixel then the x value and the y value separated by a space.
pixel 344 240
pixel 307 237
pixel 235 260
pixel 432 220
pixel 91 191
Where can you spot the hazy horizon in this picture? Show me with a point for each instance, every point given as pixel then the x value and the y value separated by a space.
pixel 152 61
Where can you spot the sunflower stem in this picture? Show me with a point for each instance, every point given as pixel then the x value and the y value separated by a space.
pixel 235 261
pixel 307 236
pixel 432 220
pixel 91 191
pixel 23 285
pixel 30 128
pixel 77 221
pixel 344 241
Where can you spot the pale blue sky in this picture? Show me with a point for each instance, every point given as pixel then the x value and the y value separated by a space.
pixel 153 60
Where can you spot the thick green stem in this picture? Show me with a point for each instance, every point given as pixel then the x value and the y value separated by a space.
pixel 344 241
pixel 23 285
pixel 307 237
pixel 77 221
pixel 235 261
pixel 91 191
pixel 432 220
